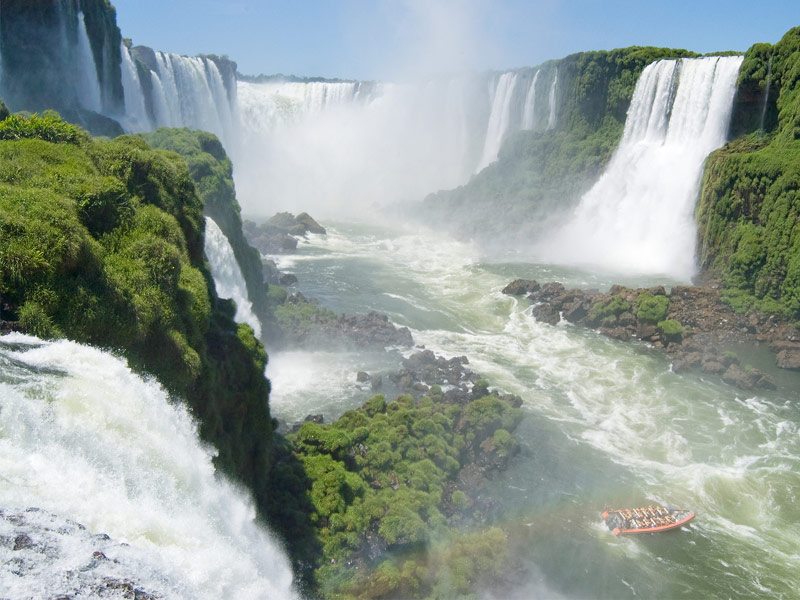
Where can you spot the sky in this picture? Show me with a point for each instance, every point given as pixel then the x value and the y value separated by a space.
pixel 392 39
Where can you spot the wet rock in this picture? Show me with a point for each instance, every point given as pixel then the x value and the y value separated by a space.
pixel 789 357
pixel 287 279
pixel 545 313
pixel 362 376
pixel 521 287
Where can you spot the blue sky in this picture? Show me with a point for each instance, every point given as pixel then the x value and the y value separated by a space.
pixel 390 39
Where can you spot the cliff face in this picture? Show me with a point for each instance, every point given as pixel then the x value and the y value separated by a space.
pixel 211 171
pixel 540 173
pixel 102 242
pixel 44 55
pixel 749 237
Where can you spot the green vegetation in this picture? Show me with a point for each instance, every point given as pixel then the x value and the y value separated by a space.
pixel 541 173
pixel 605 311
pixel 102 242
pixel 748 211
pixel 671 329
pixel 384 476
pixel 212 173
pixel 650 308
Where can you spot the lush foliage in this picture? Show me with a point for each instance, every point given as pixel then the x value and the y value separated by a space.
pixel 384 479
pixel 748 212
pixel 650 308
pixel 102 242
pixel 212 173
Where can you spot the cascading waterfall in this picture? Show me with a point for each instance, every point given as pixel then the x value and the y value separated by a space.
pixel 228 278
pixel 766 95
pixel 88 87
pixel 86 441
pixel 528 111
pixel 638 217
pixel 498 118
pixel 551 121
pixel 136 118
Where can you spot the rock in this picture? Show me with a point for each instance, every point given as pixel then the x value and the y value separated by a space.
pixel 377 382
pixel 735 375
pixel 789 357
pixel 287 279
pixel 713 366
pixel 521 287
pixel 362 376
pixel 269 271
pixel 545 313
pixel 309 224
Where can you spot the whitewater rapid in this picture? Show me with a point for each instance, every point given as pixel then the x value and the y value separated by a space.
pixel 101 451
pixel 606 422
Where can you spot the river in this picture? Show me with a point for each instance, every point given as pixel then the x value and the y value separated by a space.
pixel 605 422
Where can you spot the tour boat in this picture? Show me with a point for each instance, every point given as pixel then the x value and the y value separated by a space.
pixel 645 519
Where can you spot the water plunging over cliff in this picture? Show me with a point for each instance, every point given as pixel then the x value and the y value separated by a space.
pixel 88 441
pixel 638 217
pixel 228 278
pixel 498 118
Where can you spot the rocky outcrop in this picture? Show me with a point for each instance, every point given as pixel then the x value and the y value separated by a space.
pixel 692 323
pixel 279 234
pixel 304 323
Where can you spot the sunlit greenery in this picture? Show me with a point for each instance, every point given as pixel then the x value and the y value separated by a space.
pixel 383 476
pixel 748 211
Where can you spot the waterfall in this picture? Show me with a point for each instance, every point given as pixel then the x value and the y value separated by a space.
pixel 551 121
pixel 136 118
pixel 304 145
pixel 766 95
pixel 88 84
pixel 528 115
pixel 228 278
pixel 638 217
pixel 115 466
pixel 498 118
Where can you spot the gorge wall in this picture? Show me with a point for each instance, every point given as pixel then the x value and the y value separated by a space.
pixel 749 238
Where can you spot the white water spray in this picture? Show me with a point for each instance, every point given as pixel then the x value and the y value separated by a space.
pixel 136 118
pixel 85 439
pixel 498 118
pixel 528 111
pixel 88 85
pixel 638 218
pixel 228 278
pixel 551 121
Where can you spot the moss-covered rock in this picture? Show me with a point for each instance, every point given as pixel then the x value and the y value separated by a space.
pixel 385 478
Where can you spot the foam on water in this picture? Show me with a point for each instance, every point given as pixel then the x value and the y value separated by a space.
pixel 84 438
pixel 675 439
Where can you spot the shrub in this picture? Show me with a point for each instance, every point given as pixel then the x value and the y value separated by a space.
pixel 650 308
pixel 671 329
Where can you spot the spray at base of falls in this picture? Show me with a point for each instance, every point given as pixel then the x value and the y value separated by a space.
pixel 84 438
pixel 638 217
pixel 228 278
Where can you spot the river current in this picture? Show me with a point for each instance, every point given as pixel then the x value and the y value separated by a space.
pixel 606 422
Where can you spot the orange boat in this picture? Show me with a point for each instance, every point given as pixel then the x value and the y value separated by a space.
pixel 645 519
